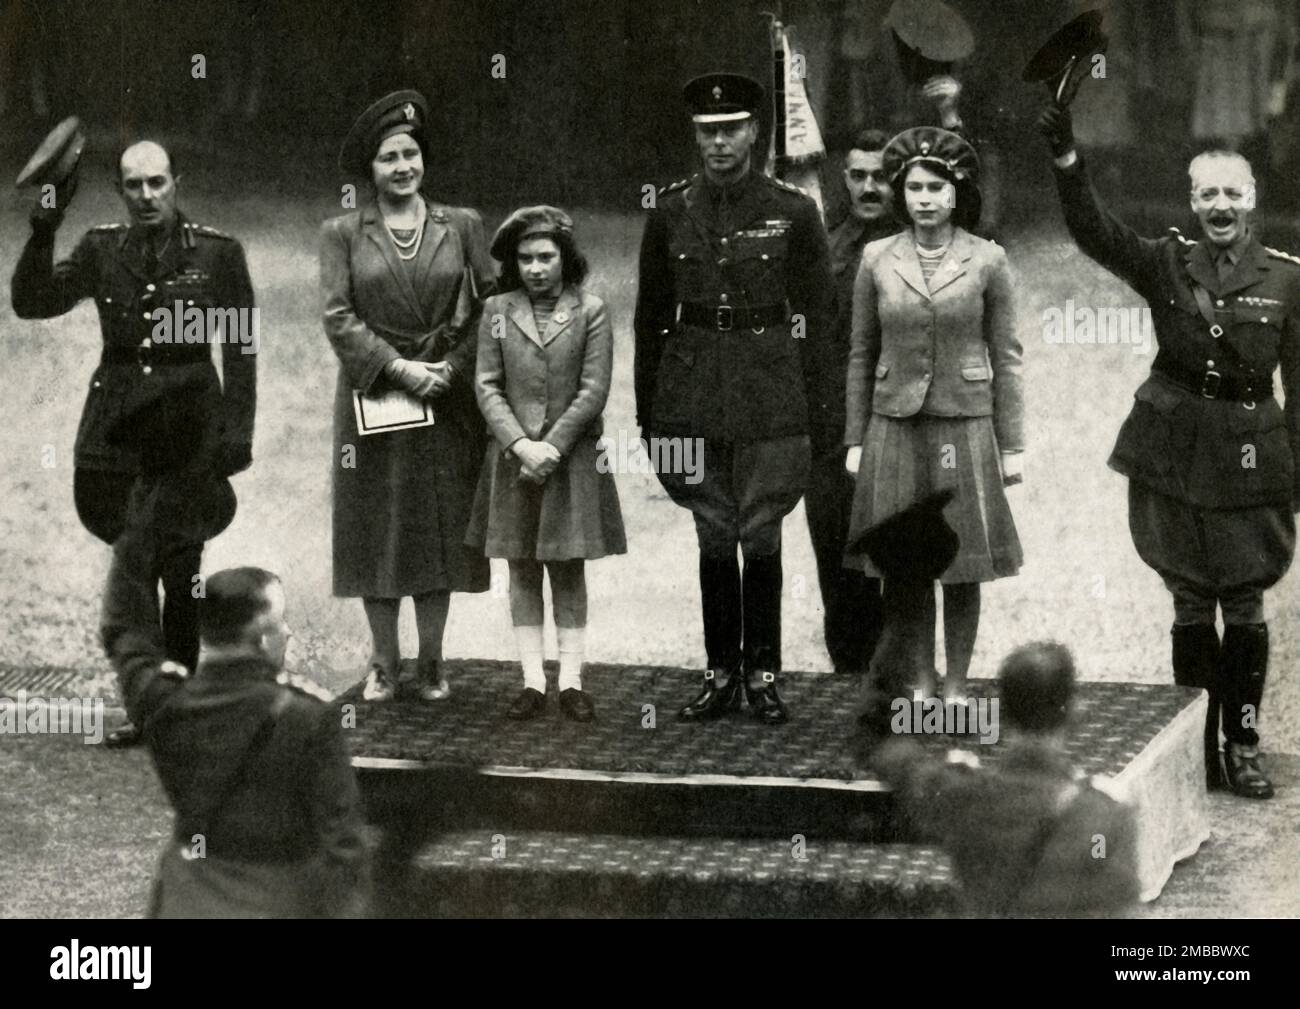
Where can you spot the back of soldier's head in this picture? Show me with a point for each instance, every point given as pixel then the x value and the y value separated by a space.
pixel 235 604
pixel 1037 686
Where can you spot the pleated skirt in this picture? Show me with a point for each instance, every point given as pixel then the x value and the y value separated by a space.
pixel 573 515
pixel 907 459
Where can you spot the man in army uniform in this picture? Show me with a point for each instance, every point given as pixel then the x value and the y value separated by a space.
pixel 151 404
pixel 851 600
pixel 268 815
pixel 730 334
pixel 1023 834
pixel 1210 455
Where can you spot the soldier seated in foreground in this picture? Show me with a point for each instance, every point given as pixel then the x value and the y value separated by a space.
pixel 1033 837
pixel 268 820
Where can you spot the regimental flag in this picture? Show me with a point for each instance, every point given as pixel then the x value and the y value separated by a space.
pixel 794 156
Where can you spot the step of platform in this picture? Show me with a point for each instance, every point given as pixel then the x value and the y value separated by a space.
pixel 552 874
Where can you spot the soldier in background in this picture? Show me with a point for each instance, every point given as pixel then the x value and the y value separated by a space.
pixel 730 327
pixel 851 600
pixel 1213 461
pixel 150 406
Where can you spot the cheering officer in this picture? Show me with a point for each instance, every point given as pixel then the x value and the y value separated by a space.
pixel 1210 455
pixel 730 324
pixel 154 401
pixel 851 600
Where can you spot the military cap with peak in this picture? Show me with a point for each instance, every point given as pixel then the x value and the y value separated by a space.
pixel 57 157
pixel 931 28
pixel 399 112
pixel 1063 59
pixel 528 222
pixel 723 98
pixel 930 145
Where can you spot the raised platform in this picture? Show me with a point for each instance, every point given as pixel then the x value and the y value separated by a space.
pixel 646 790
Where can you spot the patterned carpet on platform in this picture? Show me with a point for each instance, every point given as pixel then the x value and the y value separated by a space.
pixel 1112 724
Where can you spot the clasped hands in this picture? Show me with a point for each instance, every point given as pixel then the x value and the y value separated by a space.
pixel 537 459
pixel 422 379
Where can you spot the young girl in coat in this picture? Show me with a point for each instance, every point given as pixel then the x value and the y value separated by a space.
pixel 545 353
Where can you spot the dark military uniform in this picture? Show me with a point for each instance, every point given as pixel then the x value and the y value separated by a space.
pixel 1210 455
pixel 851 600
pixel 150 408
pixel 730 348
pixel 256 767
pixel 1024 836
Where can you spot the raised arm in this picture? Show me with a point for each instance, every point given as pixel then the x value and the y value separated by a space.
pixel 129 625
pixel 42 289
pixel 1098 234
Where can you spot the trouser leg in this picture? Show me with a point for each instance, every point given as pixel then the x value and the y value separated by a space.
pixel 721 606
pixel 762 614
pixel 1196 662
pixel 1243 666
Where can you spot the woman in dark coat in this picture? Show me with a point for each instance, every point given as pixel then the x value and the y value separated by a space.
pixel 934 395
pixel 402 279
pixel 546 499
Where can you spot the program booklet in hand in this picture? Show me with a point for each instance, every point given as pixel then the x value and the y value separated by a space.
pixel 394 410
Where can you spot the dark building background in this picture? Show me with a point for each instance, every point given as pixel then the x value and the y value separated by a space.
pixel 589 109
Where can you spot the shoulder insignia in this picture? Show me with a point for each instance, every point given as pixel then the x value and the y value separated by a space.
pixel 1181 237
pixel 203 229
pixel 789 187
pixel 304 686
pixel 674 187
pixel 109 227
pixel 1279 254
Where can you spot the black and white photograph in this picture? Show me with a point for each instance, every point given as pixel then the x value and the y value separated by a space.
pixel 651 459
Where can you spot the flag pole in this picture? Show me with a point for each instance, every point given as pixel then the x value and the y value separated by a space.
pixel 777 37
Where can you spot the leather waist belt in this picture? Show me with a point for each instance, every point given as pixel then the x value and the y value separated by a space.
pixel 1213 384
pixel 156 356
pixel 724 318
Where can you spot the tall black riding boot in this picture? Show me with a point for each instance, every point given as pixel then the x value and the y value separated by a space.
pixel 762 606
pixel 1196 663
pixel 721 604
pixel 1243 664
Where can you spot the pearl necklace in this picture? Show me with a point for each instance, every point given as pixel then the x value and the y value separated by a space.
pixel 413 243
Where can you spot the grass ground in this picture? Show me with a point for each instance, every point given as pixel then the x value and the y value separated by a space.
pixel 1082 582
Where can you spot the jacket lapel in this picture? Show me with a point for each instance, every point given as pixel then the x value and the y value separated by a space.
pixel 954 261
pixel 520 311
pixel 1250 269
pixel 372 223
pixel 566 307
pixel 435 232
pixel 907 264
pixel 1201 267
